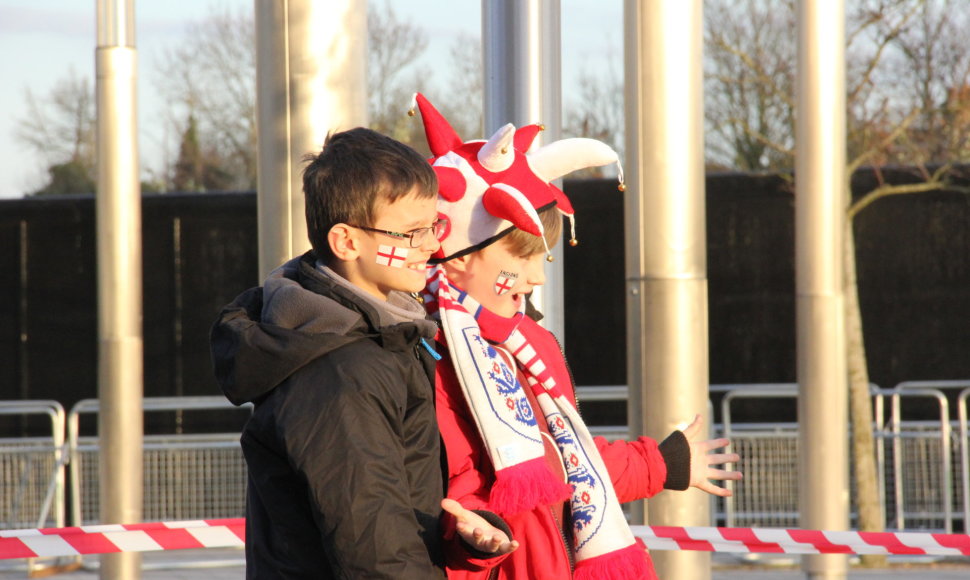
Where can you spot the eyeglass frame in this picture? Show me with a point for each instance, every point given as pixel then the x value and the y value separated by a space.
pixel 441 222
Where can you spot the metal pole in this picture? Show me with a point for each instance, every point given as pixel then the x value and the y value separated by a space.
pixel 311 63
pixel 523 85
pixel 820 199
pixel 120 343
pixel 666 248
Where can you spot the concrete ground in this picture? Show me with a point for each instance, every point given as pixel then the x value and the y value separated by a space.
pixel 228 564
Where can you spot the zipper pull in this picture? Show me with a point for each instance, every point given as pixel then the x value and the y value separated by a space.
pixel 428 348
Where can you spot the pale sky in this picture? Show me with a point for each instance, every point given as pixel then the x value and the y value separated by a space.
pixel 43 40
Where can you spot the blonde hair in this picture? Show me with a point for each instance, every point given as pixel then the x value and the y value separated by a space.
pixel 522 243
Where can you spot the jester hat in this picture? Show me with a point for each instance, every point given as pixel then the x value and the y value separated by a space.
pixel 487 188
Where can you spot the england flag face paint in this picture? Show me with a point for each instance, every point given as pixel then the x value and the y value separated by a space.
pixel 392 256
pixel 505 282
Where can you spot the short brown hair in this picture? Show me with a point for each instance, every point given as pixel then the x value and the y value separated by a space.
pixel 522 243
pixel 354 170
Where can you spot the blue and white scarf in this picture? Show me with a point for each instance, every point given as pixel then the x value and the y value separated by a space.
pixel 604 546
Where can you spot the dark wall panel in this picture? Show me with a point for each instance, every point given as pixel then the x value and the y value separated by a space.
pixel 914 279
pixel 594 294
pixel 61 316
pixel 913 255
pixel 11 354
pixel 200 251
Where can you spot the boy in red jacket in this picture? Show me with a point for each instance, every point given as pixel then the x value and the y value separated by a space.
pixel 505 402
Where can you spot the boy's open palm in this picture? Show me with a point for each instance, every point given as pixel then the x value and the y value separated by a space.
pixel 477 532
pixel 701 460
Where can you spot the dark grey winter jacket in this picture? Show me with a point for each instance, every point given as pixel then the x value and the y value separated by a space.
pixel 343 454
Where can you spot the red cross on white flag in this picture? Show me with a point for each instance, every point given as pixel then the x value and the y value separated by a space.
pixel 392 256
pixel 505 282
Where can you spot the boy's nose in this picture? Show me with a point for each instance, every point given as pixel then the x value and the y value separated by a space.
pixel 430 244
pixel 536 272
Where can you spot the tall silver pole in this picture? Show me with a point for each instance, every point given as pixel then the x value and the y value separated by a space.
pixel 311 60
pixel 820 198
pixel 666 244
pixel 523 85
pixel 120 344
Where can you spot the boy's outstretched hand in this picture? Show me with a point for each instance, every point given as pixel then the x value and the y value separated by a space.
pixel 701 460
pixel 476 530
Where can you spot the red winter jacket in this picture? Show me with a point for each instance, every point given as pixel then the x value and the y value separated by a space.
pixel 637 469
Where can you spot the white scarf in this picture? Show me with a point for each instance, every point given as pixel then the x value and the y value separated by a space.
pixel 604 546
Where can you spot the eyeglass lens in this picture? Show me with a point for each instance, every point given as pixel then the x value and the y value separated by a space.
pixel 420 236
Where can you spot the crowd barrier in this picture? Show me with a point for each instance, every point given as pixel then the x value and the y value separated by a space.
pixel 923 465
pixel 32 469
pixel 186 475
pixel 159 536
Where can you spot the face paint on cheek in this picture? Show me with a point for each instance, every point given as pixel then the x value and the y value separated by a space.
pixel 392 256
pixel 505 282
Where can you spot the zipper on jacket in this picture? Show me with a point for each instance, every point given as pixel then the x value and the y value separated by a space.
pixel 565 542
pixel 572 381
pixel 569 371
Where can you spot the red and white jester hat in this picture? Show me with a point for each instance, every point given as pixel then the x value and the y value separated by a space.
pixel 487 187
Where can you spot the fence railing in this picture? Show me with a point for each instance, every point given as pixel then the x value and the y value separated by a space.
pixel 923 465
pixel 32 468
pixel 185 475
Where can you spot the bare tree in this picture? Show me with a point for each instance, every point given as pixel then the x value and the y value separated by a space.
pixel 749 84
pixel 393 73
pixel 209 79
pixel 61 129
pixel 906 88
pixel 209 92
pixel 462 100
pixel 920 85
pixel 596 111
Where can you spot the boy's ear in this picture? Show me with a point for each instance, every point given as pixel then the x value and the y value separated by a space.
pixel 343 242
pixel 459 264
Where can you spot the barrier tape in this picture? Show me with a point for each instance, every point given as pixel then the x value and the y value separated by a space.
pixel 782 541
pixel 111 538
pixel 104 539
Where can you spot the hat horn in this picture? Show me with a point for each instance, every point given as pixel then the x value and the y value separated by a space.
pixel 442 138
pixel 556 159
pixel 497 154
pixel 524 136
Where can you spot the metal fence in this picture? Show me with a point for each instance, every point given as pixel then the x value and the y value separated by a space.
pixel 32 468
pixel 923 464
pixel 186 476
pixel 926 464
pixel 768 494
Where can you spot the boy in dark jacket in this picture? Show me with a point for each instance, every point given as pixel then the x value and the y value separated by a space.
pixel 342 450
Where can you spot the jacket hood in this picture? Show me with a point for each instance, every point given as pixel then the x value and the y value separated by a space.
pixel 298 315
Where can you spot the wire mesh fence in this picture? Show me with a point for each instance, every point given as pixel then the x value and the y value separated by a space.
pixel 185 475
pixel 923 465
pixel 768 494
pixel 32 468
pixel 185 478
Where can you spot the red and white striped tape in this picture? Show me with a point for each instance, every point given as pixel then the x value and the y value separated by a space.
pixel 782 541
pixel 104 539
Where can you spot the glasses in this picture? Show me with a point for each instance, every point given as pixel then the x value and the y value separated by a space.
pixel 416 237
